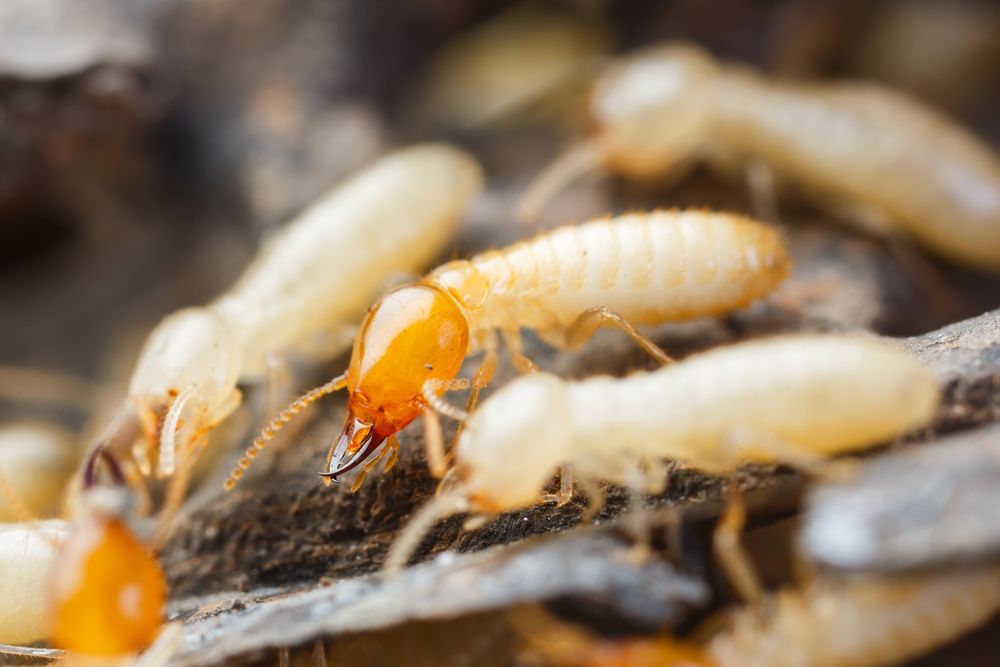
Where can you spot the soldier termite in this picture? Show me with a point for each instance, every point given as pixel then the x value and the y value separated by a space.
pixel 872 155
pixel 91 586
pixel 635 269
pixel 790 399
pixel 314 276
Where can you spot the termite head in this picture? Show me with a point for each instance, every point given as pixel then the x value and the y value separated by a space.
pixel 654 110
pixel 514 443
pixel 191 361
pixel 412 340
pixel 653 113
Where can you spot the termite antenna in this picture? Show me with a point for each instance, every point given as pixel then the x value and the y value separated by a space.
pixel 577 160
pixel 452 502
pixel 168 434
pixel 285 416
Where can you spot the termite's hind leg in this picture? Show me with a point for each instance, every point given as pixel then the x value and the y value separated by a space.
pixel 565 492
pixel 584 326
pixel 730 553
pixel 512 339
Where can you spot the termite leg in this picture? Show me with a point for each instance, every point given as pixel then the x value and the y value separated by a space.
pixel 483 376
pixel 635 522
pixel 437 458
pixel 392 451
pixel 319 653
pixel 512 339
pixel 565 492
pixel 589 320
pixel 729 551
pixel 760 180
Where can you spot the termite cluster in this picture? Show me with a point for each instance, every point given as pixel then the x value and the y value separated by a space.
pixel 89 585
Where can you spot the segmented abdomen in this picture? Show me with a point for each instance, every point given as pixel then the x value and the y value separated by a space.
pixel 650 268
pixel 859 624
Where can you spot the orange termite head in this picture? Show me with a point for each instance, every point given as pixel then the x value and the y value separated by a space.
pixel 413 338
pixel 107 591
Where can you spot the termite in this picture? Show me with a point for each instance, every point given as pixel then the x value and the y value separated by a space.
pixel 38 459
pixel 635 269
pixel 873 155
pixel 26 555
pixel 311 278
pixel 794 399
pixel 511 62
pixel 853 623
pixel 91 587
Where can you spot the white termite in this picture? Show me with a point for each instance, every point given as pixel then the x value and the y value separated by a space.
pixel 27 551
pixel 37 460
pixel 313 277
pixel 789 399
pixel 870 154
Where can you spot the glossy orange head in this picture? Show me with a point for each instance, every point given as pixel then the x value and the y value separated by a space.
pixel 107 591
pixel 413 335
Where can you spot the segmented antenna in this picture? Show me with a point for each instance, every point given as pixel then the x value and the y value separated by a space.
pixel 283 417
pixel 168 434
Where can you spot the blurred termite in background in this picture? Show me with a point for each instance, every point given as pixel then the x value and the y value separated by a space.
pixel 867 622
pixel 795 399
pixel 873 156
pixel 511 65
pixel 636 269
pixel 310 280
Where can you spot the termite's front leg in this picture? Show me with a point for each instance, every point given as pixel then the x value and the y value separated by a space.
pixel 584 326
pixel 437 457
pixel 512 338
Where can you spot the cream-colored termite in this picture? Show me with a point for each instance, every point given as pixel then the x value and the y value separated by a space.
pixel 515 59
pixel 872 155
pixel 27 551
pixel 865 623
pixel 635 269
pixel 869 622
pixel 790 399
pixel 37 459
pixel 313 277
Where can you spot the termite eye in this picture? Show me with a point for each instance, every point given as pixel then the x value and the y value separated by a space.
pixel 429 367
